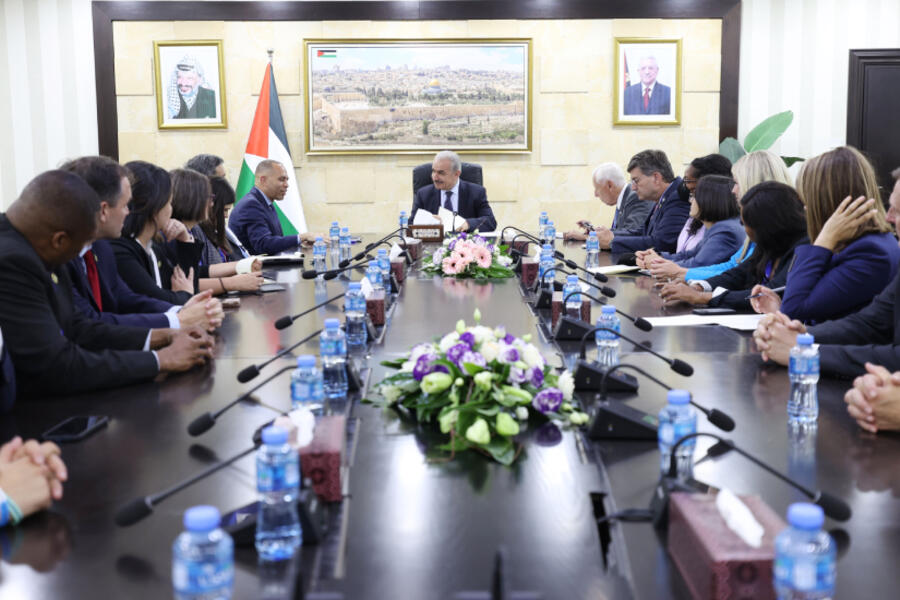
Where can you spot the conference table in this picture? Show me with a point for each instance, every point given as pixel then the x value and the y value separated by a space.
pixel 414 527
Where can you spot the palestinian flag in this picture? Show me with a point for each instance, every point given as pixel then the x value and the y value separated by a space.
pixel 268 140
pixel 326 53
pixel 627 75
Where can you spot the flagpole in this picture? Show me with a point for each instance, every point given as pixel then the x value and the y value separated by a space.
pixel 270 52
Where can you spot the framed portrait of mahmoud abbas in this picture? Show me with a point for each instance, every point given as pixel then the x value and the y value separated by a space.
pixel 190 84
pixel 647 84
pixel 417 96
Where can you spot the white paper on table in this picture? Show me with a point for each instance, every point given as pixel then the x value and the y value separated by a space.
pixel 614 269
pixel 366 287
pixel 423 217
pixel 739 518
pixel 449 219
pixel 739 322
pixel 396 251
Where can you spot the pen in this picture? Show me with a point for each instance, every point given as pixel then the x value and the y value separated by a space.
pixel 777 290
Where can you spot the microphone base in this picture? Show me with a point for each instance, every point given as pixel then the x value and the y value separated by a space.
pixel 312 521
pixel 589 376
pixel 570 328
pixel 618 421
pixel 355 379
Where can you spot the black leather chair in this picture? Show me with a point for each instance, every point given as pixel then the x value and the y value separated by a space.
pixel 421 175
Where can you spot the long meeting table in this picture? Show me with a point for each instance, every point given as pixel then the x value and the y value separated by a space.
pixel 410 527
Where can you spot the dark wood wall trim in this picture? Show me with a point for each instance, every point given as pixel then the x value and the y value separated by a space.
pixel 105 13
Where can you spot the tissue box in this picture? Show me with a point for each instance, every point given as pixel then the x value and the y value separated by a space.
pixel 529 270
pixel 713 561
pixel 321 460
pixel 414 247
pixel 556 309
pixel 375 307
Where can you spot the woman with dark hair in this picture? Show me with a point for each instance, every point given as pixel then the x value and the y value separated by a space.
pixel 212 231
pixel 775 221
pixel 144 264
pixel 714 206
pixel 191 202
pixel 853 255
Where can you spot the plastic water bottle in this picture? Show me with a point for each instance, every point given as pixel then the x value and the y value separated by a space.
pixel 355 316
pixel 608 342
pixel 550 234
pixel 572 296
pixel 278 533
pixel 333 350
pixel 384 263
pixel 202 557
pixel 803 405
pixel 320 251
pixel 546 263
pixel 306 384
pixel 404 222
pixel 804 556
pixel 676 420
pixel 592 245
pixel 542 224
pixel 344 243
pixel 335 234
pixel 373 274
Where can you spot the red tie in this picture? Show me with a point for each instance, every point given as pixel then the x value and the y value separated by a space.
pixel 646 98
pixel 90 264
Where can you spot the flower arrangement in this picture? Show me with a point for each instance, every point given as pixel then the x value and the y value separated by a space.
pixel 466 256
pixel 480 385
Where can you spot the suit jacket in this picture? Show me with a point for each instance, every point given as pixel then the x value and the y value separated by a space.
pixel 257 227
pixel 473 205
pixel 662 226
pixel 204 106
pixel 121 306
pixel 54 348
pixel 824 285
pixel 741 279
pixel 716 245
pixel 7 379
pixel 870 335
pixel 659 100
pixel 136 271
pixel 629 218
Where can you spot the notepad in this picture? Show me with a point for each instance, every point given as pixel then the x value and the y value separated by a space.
pixel 615 269
pixel 738 322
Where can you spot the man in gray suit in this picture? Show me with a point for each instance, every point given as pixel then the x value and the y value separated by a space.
pixel 611 188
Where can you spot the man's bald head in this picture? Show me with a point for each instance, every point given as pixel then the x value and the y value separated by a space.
pixel 271 179
pixel 57 213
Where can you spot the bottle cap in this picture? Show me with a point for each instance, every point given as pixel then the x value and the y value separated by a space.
pixel 334 222
pixel 592 234
pixel 679 397
pixel 306 360
pixel 274 436
pixel 382 252
pixel 543 212
pixel 332 323
pixel 547 247
pixel 345 230
pixel 402 212
pixel 805 339
pixel 572 279
pixel 804 515
pixel 201 518
pixel 354 285
pixel 608 310
pixel 318 238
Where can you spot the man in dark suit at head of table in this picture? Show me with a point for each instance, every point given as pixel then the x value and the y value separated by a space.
pixel 468 200
pixel 54 348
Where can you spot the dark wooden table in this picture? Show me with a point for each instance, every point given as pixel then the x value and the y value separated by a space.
pixel 416 529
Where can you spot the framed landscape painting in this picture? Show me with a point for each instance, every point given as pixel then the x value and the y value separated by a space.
pixel 190 84
pixel 647 84
pixel 417 96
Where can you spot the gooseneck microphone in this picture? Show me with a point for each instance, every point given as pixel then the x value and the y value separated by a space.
pixel 522 232
pixel 833 506
pixel 713 415
pixel 287 320
pixel 248 373
pixel 137 509
pixel 367 249
pixel 574 265
pixel 606 291
pixel 639 322
pixel 204 422
pixel 676 364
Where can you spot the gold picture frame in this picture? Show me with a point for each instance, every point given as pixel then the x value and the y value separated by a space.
pixel 417 96
pixel 634 65
pixel 181 64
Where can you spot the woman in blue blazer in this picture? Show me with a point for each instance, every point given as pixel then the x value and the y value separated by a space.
pixel 853 255
pixel 713 204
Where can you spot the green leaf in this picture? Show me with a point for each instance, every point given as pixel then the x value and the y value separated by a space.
pixel 454 370
pixel 731 149
pixel 393 364
pixel 502 450
pixel 764 135
pixel 472 368
pixel 489 411
pixel 790 160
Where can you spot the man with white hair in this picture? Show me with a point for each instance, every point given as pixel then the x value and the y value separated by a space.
pixel 188 96
pixel 468 200
pixel 631 212
pixel 648 96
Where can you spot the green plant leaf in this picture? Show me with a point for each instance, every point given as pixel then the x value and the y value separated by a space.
pixel 502 449
pixel 790 160
pixel 764 135
pixel 394 363
pixel 731 149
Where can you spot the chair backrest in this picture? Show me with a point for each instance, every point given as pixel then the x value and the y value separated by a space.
pixel 421 175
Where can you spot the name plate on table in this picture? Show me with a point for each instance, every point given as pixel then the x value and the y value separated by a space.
pixel 426 233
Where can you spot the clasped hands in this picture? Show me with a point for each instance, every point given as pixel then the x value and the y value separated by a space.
pixel 32 474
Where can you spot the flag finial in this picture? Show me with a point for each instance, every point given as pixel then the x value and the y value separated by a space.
pixel 270 52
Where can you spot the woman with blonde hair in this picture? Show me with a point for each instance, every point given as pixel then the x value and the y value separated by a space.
pixel 852 256
pixel 748 171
